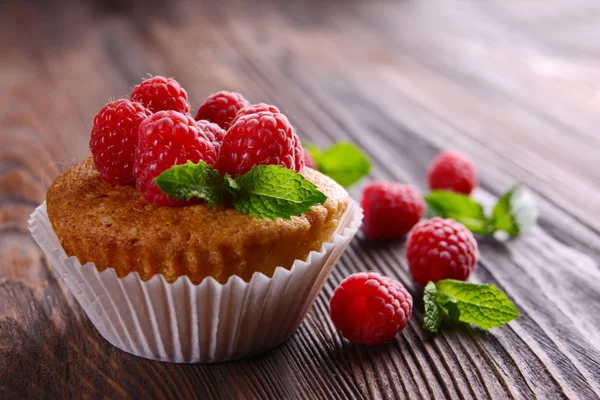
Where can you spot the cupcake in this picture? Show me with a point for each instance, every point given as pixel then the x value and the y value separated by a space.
pixel 186 247
pixel 114 227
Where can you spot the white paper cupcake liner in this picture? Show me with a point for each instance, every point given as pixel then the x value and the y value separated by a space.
pixel 185 323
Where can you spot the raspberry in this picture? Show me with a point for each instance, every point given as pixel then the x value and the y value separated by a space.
pixel 256 108
pixel 441 249
pixel 113 140
pixel 263 138
pixel 168 138
pixel 391 209
pixel 221 108
pixel 160 93
pixel 452 170
pixel 213 131
pixel 370 308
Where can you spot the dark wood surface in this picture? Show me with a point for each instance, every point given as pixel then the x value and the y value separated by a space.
pixel 516 85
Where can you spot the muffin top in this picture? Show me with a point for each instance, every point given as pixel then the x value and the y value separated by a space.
pixel 113 226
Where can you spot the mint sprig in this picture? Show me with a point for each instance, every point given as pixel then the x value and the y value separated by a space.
pixel 270 191
pixel 459 207
pixel 485 306
pixel 266 191
pixel 432 318
pixel 514 213
pixel 343 162
pixel 186 181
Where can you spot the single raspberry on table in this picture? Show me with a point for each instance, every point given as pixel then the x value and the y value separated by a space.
pixel 391 209
pixel 160 94
pixel 263 138
pixel 452 170
pixel 165 139
pixel 113 140
pixel 221 108
pixel 441 249
pixel 370 308
pixel 255 108
pixel 212 130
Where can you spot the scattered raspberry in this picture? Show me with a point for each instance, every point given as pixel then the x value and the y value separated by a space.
pixel 263 138
pixel 168 138
pixel 441 249
pixel 113 140
pixel 452 170
pixel 391 209
pixel 160 93
pixel 221 108
pixel 370 308
pixel 309 161
pixel 213 131
pixel 256 108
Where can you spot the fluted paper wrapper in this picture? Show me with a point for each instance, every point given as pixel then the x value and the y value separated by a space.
pixel 185 323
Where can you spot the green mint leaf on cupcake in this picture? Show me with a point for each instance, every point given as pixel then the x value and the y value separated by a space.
pixel 344 162
pixel 269 191
pixel 485 306
pixel 432 318
pixel 462 208
pixel 187 181
pixel 266 191
pixel 515 212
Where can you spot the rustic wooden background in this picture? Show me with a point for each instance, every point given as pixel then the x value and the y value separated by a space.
pixel 516 85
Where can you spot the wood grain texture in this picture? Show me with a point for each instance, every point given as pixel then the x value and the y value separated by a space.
pixel 517 87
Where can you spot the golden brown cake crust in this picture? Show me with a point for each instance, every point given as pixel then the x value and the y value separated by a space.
pixel 113 226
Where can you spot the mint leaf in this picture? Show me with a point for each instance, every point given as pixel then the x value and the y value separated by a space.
pixel 271 191
pixel 315 152
pixel 462 208
pixel 183 182
pixel 515 212
pixel 482 305
pixel 432 318
pixel 343 162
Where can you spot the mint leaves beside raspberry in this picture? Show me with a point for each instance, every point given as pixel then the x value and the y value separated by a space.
pixel 343 162
pixel 459 207
pixel 482 305
pixel 515 211
pixel 432 319
pixel 266 191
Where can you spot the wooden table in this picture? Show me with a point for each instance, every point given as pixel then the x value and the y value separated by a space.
pixel 516 87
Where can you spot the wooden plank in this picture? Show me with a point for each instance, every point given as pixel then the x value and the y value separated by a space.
pixel 403 80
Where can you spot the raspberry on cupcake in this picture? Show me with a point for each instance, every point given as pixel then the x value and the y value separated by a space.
pixel 165 139
pixel 114 139
pixel 160 94
pixel 256 108
pixel 260 139
pixel 221 108
pixel 212 130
